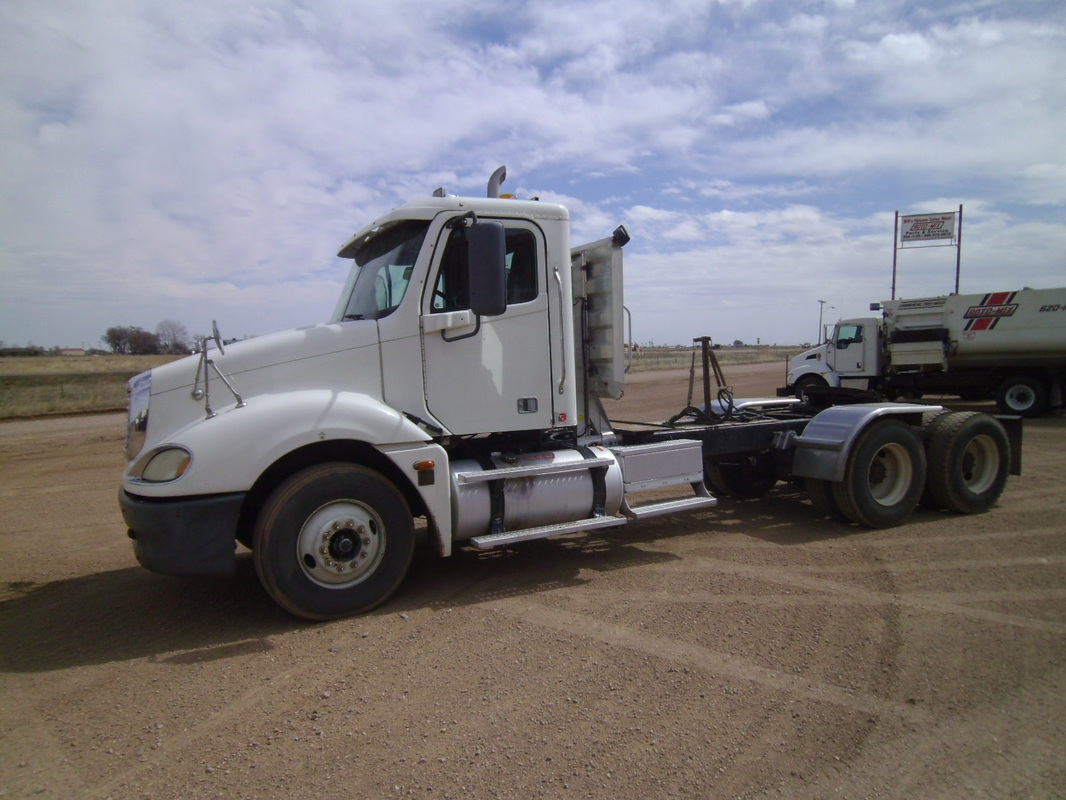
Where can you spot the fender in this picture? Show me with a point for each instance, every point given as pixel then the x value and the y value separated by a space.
pixel 818 368
pixel 812 362
pixel 249 439
pixel 823 448
pixel 436 494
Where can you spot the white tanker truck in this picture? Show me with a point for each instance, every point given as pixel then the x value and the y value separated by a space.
pixel 1010 346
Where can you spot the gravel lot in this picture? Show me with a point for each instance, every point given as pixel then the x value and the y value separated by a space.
pixel 753 650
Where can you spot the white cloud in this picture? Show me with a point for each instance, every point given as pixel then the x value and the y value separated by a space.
pixel 193 159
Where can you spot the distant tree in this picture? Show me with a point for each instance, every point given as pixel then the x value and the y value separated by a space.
pixel 143 343
pixel 118 339
pixel 172 336
pixel 132 341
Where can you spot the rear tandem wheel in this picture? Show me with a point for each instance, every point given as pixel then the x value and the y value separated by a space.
pixel 884 476
pixel 969 458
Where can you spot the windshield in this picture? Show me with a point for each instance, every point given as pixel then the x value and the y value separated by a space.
pixel 386 261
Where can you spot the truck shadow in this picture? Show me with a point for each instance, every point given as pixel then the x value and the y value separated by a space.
pixel 130 614
pixel 470 577
pixel 787 517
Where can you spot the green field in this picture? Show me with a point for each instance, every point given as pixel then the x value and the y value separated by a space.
pixel 43 385
pixel 37 386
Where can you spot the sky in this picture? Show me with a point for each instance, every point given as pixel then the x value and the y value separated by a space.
pixel 199 160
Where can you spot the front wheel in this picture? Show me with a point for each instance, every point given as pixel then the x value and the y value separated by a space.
pixel 803 386
pixel 884 476
pixel 332 540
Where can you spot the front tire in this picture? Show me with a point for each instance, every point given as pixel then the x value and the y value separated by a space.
pixel 332 540
pixel 884 476
pixel 806 383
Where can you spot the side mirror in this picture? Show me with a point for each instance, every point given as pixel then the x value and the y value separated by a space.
pixel 487 262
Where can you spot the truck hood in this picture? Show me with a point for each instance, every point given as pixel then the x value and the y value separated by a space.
pixel 295 388
pixel 303 349
pixel 809 361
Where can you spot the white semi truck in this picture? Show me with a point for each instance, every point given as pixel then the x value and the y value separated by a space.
pixel 454 399
pixel 1010 346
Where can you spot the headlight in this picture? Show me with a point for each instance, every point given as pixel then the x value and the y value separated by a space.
pixel 166 464
pixel 139 389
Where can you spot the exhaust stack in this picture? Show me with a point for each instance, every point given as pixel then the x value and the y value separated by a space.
pixel 497 177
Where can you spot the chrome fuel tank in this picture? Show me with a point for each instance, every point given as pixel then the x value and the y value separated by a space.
pixel 558 490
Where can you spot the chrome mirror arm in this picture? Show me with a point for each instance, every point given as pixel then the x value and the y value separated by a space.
pixel 205 366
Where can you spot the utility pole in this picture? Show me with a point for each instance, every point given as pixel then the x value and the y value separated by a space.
pixel 821 308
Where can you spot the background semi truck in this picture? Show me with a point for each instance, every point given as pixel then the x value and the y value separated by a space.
pixel 454 399
pixel 1010 346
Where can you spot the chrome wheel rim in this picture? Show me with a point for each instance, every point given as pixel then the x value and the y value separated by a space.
pixel 340 544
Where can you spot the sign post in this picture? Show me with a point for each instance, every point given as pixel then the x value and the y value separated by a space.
pixel 927 230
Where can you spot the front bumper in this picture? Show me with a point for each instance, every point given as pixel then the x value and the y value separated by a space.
pixel 189 536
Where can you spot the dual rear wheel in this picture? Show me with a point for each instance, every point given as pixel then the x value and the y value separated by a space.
pixel 884 476
pixel 969 460
pixel 955 461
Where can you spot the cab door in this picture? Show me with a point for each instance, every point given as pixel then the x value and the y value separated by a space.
pixel 853 351
pixel 487 374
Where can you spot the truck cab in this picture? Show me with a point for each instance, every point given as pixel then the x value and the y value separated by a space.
pixel 471 291
pixel 852 352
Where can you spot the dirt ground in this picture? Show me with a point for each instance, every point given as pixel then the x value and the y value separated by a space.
pixel 754 650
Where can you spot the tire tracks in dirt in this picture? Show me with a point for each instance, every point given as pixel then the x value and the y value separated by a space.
pixel 813 582
pixel 706 660
pixel 951 758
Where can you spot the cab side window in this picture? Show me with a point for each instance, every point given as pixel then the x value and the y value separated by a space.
pixel 521 267
pixel 451 292
pixel 848 334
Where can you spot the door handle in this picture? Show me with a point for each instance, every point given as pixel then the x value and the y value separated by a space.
pixel 447 321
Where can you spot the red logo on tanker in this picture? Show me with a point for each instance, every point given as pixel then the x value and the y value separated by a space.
pixel 992 308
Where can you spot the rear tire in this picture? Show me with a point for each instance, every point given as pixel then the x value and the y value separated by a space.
pixel 884 476
pixel 1022 394
pixel 332 540
pixel 969 459
pixel 931 422
pixel 821 494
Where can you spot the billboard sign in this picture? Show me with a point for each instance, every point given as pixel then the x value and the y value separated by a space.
pixel 927 227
